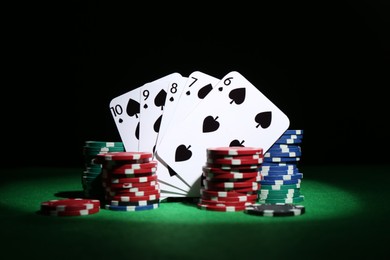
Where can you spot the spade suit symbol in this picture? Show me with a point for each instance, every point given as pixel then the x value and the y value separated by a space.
pixel 137 131
pixel 237 95
pixel 133 108
pixel 182 153
pixel 159 100
pixel 235 142
pixel 263 119
pixel 210 124
pixel 204 91
pixel 157 124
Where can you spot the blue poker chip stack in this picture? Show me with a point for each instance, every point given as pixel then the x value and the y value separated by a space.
pixel 281 178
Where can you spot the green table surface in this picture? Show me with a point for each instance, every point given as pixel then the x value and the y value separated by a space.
pixel 347 215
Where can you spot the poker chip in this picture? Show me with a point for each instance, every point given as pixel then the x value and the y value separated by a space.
pixel 235 161
pixel 132 203
pixel 282 154
pixel 81 212
pixel 132 180
pixel 224 203
pixel 238 150
pixel 103 144
pixel 280 186
pixel 70 207
pixel 133 198
pixel 297 199
pixel 250 198
pixel 288 141
pixel 282 159
pixel 128 185
pixel 120 156
pixel 223 194
pixel 132 208
pixel 284 177
pixel 221 208
pixel 275 210
pixel 279 182
pixel 211 175
pixel 132 166
pixel 293 132
pixel 70 204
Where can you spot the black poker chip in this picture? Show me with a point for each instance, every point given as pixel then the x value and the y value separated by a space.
pixel 275 209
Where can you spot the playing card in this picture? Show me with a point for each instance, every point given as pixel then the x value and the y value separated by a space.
pixel 156 97
pixel 196 88
pixel 125 111
pixel 235 113
pixel 152 104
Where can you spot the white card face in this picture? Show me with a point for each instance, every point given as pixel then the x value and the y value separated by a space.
pixel 197 86
pixel 235 113
pixel 152 103
pixel 125 110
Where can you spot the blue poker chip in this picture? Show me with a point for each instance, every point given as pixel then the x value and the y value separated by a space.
pixel 286 149
pixel 265 166
pixel 284 140
pixel 284 146
pixel 293 132
pixel 279 182
pixel 282 154
pixel 282 159
pixel 277 173
pixel 132 208
pixel 283 177
pixel 291 136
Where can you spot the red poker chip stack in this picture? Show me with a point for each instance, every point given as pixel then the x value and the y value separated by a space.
pixel 231 178
pixel 130 180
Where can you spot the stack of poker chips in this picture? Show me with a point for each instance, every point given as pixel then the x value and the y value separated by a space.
pixel 281 178
pixel 230 178
pixel 91 176
pixel 130 181
pixel 70 207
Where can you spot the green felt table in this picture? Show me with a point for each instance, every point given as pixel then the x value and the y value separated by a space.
pixel 347 214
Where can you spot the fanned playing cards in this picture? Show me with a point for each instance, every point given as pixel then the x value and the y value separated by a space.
pixel 178 118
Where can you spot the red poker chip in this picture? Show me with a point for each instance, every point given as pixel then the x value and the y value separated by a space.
pixel 224 203
pixel 235 150
pixel 70 204
pixel 81 212
pixel 121 176
pixel 125 156
pixel 255 187
pixel 238 162
pixel 245 198
pixel 132 180
pixel 128 185
pixel 134 194
pixel 241 157
pixel 234 176
pixel 221 208
pixel 132 171
pixel 133 198
pixel 223 194
pixel 132 166
pixel 135 189
pixel 230 167
pixel 216 170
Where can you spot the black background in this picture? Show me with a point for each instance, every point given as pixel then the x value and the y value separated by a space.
pixel 326 65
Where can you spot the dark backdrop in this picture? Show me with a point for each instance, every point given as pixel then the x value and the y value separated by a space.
pixel 325 65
